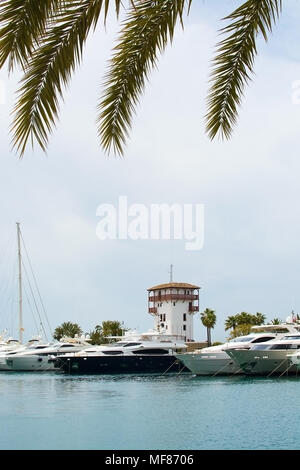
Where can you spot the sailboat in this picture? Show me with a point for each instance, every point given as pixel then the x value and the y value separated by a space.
pixel 12 346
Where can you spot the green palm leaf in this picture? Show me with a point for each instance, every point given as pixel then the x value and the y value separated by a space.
pixel 233 64
pixel 22 23
pixel 146 31
pixel 50 69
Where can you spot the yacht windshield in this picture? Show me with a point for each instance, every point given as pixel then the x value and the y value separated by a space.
pixel 112 353
pixel 285 346
pixel 151 351
pixel 276 346
pixel 242 339
pixel 291 337
pixel 260 347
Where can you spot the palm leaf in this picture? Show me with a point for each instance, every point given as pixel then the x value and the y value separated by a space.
pixel 148 28
pixel 49 71
pixel 233 65
pixel 22 23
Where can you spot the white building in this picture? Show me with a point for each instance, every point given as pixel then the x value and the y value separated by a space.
pixel 173 306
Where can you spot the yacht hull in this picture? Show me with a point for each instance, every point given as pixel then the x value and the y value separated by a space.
pixel 119 365
pixel 209 364
pixel 30 363
pixel 265 362
pixel 3 365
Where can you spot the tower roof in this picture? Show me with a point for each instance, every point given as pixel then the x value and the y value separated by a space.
pixel 179 285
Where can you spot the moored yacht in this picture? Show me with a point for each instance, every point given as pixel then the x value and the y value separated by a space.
pixel 13 346
pixel 150 352
pixel 36 357
pixel 214 360
pixel 271 358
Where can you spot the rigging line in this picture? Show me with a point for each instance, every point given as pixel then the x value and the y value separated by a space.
pixel 31 290
pixel 286 370
pixel 7 266
pixel 6 248
pixel 240 370
pixel 31 309
pixel 280 364
pixel 9 286
pixel 173 363
pixel 7 281
pixel 178 373
pixel 219 370
pixel 36 284
pixel 12 311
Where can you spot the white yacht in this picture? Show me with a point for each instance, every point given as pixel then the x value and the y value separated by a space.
pixel 214 360
pixel 37 357
pixel 13 346
pixel 149 352
pixel 9 344
pixel 269 359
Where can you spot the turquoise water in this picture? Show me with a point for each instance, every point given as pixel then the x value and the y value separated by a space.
pixel 54 411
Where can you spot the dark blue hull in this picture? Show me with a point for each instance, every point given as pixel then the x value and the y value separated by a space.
pixel 120 364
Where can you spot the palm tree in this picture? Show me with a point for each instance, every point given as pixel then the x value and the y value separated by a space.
pixel 208 318
pixel 244 321
pixel 67 329
pixel 245 318
pixel 46 39
pixel 259 319
pixel 231 322
pixel 240 330
pixel 276 321
pixel 108 328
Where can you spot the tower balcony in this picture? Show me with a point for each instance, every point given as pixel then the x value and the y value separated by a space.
pixel 166 297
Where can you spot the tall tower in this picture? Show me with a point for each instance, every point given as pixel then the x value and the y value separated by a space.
pixel 173 306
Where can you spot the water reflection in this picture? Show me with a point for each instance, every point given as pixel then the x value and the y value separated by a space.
pixel 53 410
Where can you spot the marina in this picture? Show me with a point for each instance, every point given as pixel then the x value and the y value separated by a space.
pixel 136 134
pixel 168 348
pixel 198 396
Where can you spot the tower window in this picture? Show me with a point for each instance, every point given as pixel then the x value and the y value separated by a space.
pixel 184 327
pixel 174 303
pixel 184 317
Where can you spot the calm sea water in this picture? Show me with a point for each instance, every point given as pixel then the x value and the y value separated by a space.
pixel 55 411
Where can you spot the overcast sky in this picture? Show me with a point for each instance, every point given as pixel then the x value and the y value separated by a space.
pixel 249 187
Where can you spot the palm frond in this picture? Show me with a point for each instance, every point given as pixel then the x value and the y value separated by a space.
pixel 233 65
pixel 147 29
pixel 49 71
pixel 22 23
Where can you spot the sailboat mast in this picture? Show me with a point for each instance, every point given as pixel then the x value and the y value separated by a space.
pixel 20 285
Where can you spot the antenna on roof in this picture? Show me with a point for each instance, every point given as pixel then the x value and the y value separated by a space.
pixel 171 273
